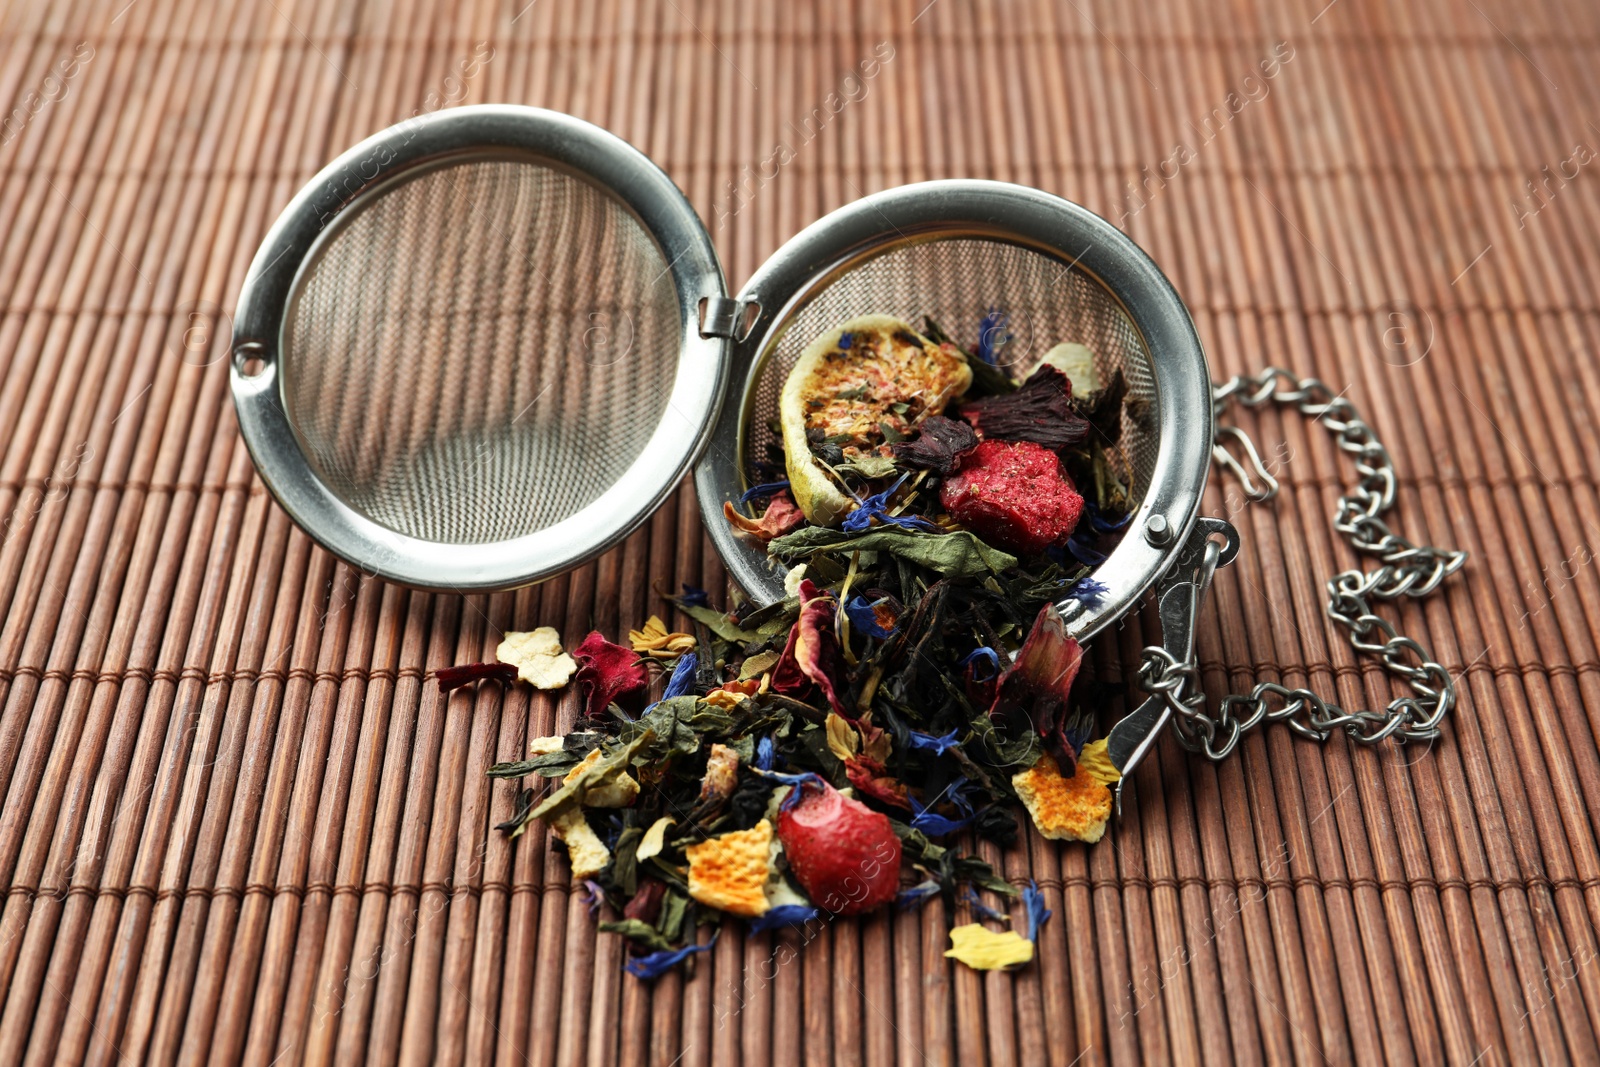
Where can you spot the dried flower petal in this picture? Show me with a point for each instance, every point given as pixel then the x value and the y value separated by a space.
pixel 538 657
pixel 1040 411
pixel 783 915
pixel 872 778
pixel 939 446
pixel 937 745
pixel 915 896
pixel 766 489
pixel 467 673
pixel 656 641
pixel 875 510
pixel 782 516
pixel 813 650
pixel 1038 914
pixel 657 964
pixel 983 949
pixel 646 902
pixel 606 672
pixel 878 618
pixel 1035 689
pixel 1095 761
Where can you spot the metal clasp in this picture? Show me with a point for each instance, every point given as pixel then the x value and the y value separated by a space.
pixel 1180 593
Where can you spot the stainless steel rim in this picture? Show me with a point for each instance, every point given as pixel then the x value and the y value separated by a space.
pixel 356 179
pixel 1079 240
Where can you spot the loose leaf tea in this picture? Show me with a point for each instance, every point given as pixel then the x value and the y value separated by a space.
pixel 830 753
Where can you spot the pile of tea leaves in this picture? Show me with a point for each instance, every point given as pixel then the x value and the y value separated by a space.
pixel 837 750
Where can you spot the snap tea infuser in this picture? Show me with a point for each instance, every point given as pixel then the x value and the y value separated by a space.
pixel 482 346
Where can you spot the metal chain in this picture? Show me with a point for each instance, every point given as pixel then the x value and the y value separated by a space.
pixel 1407 569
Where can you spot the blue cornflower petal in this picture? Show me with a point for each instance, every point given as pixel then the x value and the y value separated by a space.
pixel 985 654
pixel 765 750
pixel 593 895
pixel 1098 521
pixel 682 681
pixel 937 745
pixel 915 896
pixel 798 781
pixel 765 489
pixel 695 596
pixel 1083 551
pixel 934 824
pixel 656 964
pixel 980 909
pixel 992 335
pixel 1038 914
pixel 783 915
pixel 1088 592
pixel 846 339
pixel 863 615
pixel 876 506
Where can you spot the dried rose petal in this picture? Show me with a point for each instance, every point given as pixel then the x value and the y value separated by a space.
pixel 606 672
pixel 1033 691
pixel 812 652
pixel 872 779
pixel 781 517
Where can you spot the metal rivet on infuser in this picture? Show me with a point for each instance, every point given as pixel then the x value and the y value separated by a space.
pixel 1157 530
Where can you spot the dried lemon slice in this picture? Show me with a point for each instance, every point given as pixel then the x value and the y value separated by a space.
pixel 858 386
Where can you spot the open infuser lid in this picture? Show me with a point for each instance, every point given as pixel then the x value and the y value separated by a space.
pixel 480 348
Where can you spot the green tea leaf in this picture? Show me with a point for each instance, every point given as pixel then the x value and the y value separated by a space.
pixel 958 554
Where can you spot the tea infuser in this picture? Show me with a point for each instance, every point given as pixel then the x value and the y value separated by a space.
pixel 482 346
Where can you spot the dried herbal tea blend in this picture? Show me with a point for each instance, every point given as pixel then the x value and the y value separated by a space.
pixel 820 756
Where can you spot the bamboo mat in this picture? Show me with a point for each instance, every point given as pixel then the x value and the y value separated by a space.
pixel 240 825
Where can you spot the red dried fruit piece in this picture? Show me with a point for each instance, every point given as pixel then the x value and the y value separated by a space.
pixel 1013 495
pixel 844 855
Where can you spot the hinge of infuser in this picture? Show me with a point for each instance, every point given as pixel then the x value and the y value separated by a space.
pixel 720 317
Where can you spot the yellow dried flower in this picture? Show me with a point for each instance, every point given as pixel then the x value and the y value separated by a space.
pixel 1096 761
pixel 984 949
pixel 657 642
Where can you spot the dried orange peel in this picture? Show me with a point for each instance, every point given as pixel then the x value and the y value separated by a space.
pixel 1075 808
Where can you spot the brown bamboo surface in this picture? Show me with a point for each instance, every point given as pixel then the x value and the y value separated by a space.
pixel 241 825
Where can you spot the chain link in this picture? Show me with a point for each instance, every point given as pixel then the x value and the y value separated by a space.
pixel 1407 569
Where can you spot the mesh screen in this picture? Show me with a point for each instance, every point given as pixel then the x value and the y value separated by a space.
pixel 480 352
pixel 955 281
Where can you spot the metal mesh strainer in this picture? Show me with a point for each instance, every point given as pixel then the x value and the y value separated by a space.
pixel 950 250
pixel 443 383
pixel 469 355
